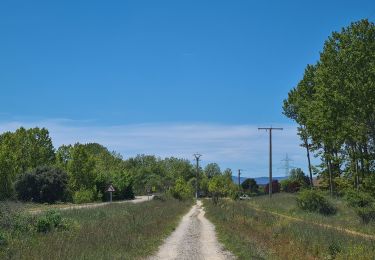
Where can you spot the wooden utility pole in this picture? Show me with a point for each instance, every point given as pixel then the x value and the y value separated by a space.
pixel 239 178
pixel 197 158
pixel 269 129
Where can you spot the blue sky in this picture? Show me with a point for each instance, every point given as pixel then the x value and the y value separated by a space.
pixel 164 77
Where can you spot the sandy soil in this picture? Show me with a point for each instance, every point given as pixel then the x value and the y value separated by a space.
pixel 194 238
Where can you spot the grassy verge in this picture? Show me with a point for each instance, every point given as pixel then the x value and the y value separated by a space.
pixel 285 203
pixel 252 234
pixel 117 231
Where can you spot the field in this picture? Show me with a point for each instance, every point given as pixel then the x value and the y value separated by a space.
pixel 276 229
pixel 117 231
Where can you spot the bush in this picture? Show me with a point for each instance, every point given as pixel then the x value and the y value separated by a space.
pixel 51 220
pixel 366 214
pixel 44 184
pixel 84 196
pixel 3 240
pixel 250 186
pixel 358 199
pixel 290 186
pixel 314 201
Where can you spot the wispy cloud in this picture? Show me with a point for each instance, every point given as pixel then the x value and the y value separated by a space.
pixel 233 146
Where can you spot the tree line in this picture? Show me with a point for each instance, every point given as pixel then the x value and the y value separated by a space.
pixel 334 106
pixel 31 169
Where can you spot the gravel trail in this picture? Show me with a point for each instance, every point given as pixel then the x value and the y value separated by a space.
pixel 194 238
pixel 138 199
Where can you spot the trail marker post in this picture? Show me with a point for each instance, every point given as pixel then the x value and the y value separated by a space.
pixel 110 189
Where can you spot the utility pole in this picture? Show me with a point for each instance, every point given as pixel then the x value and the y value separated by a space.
pixel 197 158
pixel 269 129
pixel 239 178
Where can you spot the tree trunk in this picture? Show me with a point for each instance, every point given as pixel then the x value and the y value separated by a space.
pixel 309 162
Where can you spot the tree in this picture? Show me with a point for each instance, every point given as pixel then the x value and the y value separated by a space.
pixel 298 175
pixel 80 169
pixel 228 172
pixel 7 167
pixel 44 184
pixel 221 186
pixel 181 190
pixel 22 151
pixel 211 170
pixel 250 185
pixel 334 105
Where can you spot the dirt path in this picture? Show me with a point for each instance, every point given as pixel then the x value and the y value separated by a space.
pixel 194 238
pixel 138 199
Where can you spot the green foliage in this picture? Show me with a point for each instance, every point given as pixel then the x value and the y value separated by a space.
pixel 3 239
pixel 314 201
pixel 212 170
pixel 102 233
pixel 366 214
pixel 358 198
pixel 84 196
pixel 334 105
pixel 250 186
pixel 181 190
pixel 261 234
pixel 21 151
pixel 299 176
pixel 363 203
pixel 221 186
pixel 44 184
pixel 289 185
pixel 51 219
pixel 80 168
pixel 297 180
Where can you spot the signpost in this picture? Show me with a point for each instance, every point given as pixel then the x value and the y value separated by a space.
pixel 110 189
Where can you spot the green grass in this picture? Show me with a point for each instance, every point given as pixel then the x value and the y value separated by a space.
pixel 285 203
pixel 254 234
pixel 117 231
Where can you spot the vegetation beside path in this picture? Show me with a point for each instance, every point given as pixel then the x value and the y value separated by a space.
pixel 119 231
pixel 251 233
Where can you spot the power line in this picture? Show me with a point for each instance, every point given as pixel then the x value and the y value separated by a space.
pixel 269 129
pixel 287 165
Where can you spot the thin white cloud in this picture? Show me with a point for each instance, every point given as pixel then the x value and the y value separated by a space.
pixel 233 146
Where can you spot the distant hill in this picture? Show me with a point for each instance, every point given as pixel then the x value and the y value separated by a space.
pixel 259 180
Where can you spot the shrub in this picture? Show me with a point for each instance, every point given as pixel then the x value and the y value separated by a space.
pixel 250 185
pixel 358 199
pixel 44 184
pixel 3 240
pixel 84 196
pixel 51 220
pixel 299 176
pixel 291 186
pixel 314 201
pixel 366 214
